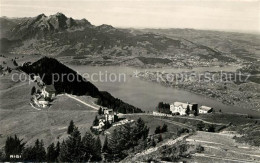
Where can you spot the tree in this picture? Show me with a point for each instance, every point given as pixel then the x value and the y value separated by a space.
pixel 15 63
pixel 181 131
pixel 100 111
pixel 88 143
pixel 33 90
pixel 95 122
pixel 51 153
pixel 164 128
pixel 211 128
pixel 2 156
pixel 71 127
pixel 163 108
pixel 157 130
pixel 116 146
pixel 188 110
pixel 40 153
pixel 142 144
pixel 160 105
pixel 72 149
pixel 57 151
pixel 160 138
pixel 36 153
pixel 153 143
pixel 142 129
pixel 105 146
pixel 13 146
pixel 75 147
pixel 28 154
pixel 64 153
pixel 97 150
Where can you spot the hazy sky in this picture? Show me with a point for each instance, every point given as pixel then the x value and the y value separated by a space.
pixel 241 15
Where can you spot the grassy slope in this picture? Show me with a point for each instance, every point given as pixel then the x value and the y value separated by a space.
pixel 222 146
pixel 18 117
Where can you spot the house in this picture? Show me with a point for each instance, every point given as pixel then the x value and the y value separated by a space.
pixel 49 91
pixel 109 115
pixel 205 109
pixel 43 103
pixel 101 124
pixel 181 108
pixel 40 102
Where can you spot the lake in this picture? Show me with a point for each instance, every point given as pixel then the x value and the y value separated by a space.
pixel 146 95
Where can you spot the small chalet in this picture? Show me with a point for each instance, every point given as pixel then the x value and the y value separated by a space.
pixel 40 101
pixel 49 91
pixel 181 107
pixel 43 103
pixel 101 124
pixel 205 109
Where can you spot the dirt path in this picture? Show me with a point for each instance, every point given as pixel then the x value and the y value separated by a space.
pixel 84 103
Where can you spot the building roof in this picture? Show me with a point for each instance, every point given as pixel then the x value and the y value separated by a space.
pixel 50 88
pixel 205 108
pixel 184 105
pixel 109 111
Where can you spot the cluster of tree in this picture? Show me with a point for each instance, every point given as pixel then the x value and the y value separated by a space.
pixel 205 127
pixel 36 153
pixel 161 129
pixel 73 149
pixel 67 80
pixel 182 130
pixel 82 149
pixel 13 146
pixel 129 136
pixel 15 150
pixel 163 108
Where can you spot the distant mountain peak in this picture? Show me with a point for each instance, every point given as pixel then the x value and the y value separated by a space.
pixel 59 14
pixel 42 24
pixel 106 27
pixel 42 15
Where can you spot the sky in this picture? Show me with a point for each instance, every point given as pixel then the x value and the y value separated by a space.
pixel 229 15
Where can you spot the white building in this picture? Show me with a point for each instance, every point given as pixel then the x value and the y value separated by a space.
pixel 40 102
pixel 205 109
pixel 181 107
pixel 43 103
pixel 109 115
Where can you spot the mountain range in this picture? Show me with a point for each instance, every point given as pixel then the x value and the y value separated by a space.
pixel 80 42
pixel 59 35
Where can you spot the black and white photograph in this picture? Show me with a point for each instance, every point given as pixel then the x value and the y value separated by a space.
pixel 130 81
